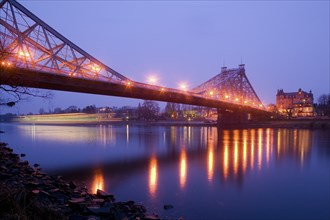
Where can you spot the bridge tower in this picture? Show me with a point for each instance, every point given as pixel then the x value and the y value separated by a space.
pixel 233 86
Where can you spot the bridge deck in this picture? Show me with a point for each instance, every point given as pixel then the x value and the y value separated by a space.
pixel 44 80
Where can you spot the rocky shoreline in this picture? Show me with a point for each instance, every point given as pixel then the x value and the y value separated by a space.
pixel 28 193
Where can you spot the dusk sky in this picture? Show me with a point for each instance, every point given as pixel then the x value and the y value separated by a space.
pixel 283 44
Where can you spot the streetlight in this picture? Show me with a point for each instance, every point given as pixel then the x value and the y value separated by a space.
pixel 152 80
pixel 183 86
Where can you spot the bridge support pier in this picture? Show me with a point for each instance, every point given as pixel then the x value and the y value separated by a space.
pixel 237 118
pixel 232 118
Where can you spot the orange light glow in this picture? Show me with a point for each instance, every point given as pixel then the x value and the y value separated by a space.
pixel 210 167
pixel 236 138
pixel 244 150
pixel 153 176
pixel 95 68
pixel 162 89
pixel 183 168
pixel 245 101
pixel 22 53
pixel 183 86
pixel 259 148
pixel 225 162
pixel 252 148
pixel 236 99
pixel 3 63
pixel 98 181
pixel 226 96
pixel 211 92
pixel 152 80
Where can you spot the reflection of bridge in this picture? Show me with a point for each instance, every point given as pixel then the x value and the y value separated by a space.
pixel 35 55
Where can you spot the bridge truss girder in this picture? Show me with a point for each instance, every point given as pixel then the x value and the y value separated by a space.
pixel 231 85
pixel 28 42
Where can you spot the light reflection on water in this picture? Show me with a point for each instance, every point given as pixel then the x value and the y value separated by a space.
pixel 98 181
pixel 228 170
pixel 153 176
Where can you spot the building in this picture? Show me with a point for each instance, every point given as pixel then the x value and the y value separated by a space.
pixel 295 104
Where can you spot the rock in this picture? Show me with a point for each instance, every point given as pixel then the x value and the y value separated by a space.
pixel 93 218
pixel 77 200
pixel 72 185
pixel 151 217
pixel 24 163
pixel 35 191
pixel 99 210
pixel 102 194
pixel 166 207
pixel 54 190
pixel 36 165
pixel 98 200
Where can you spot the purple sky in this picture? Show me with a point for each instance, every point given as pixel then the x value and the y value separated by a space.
pixel 284 44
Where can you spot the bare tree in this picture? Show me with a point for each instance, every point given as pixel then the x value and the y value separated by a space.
pixel 11 95
pixel 149 110
pixel 324 99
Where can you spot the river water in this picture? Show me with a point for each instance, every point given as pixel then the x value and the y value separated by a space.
pixel 203 172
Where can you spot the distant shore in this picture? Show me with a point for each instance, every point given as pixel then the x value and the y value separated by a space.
pixel 108 118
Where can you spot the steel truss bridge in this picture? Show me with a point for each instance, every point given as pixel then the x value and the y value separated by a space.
pixel 33 54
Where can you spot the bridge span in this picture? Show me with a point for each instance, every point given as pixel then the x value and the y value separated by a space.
pixel 32 54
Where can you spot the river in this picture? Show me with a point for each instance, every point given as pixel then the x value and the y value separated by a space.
pixel 203 172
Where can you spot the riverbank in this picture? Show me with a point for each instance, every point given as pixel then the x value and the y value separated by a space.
pixel 109 118
pixel 28 193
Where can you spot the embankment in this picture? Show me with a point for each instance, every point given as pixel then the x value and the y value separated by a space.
pixel 27 193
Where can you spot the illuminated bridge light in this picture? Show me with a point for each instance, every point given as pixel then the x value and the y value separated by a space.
pixel 245 102
pixel 152 80
pixel 236 99
pixel 95 68
pixel 183 86
pixel 22 53
pixel 211 93
pixel 226 96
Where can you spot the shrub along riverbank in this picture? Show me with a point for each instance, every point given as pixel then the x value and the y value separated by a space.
pixel 28 193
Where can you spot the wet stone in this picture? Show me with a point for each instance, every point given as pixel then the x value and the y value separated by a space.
pixel 36 191
pixel 151 217
pixel 36 165
pixel 98 200
pixel 77 200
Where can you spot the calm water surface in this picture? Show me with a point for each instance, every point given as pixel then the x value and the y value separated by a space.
pixel 204 172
